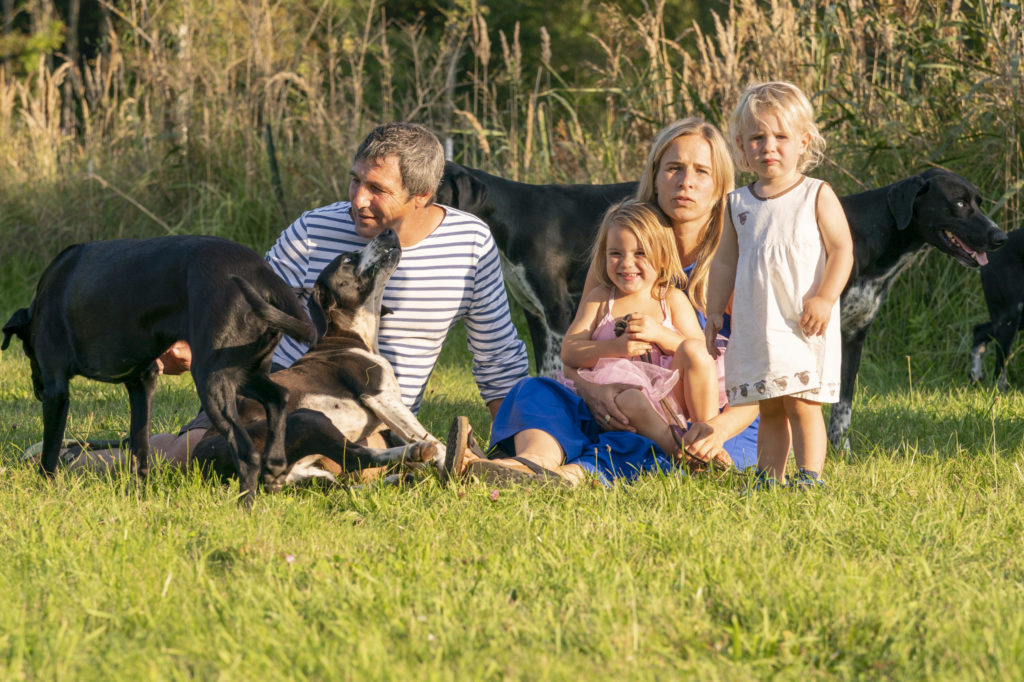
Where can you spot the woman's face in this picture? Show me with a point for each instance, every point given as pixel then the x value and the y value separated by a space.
pixel 685 183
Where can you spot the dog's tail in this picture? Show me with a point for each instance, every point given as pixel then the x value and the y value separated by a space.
pixel 300 329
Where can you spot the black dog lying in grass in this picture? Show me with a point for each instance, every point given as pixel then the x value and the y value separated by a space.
pixel 544 233
pixel 106 310
pixel 1002 280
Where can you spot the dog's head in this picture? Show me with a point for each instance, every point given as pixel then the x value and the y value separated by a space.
pixel 461 190
pixel 944 210
pixel 346 300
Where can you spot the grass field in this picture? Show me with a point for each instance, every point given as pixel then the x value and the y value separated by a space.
pixel 909 566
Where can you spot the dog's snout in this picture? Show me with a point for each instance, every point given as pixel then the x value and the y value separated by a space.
pixel 996 238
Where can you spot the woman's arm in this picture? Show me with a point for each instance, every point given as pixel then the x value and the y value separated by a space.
pixel 705 440
pixel 720 284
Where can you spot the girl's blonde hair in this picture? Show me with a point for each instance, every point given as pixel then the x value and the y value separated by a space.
pixel 794 111
pixel 647 223
pixel 722 173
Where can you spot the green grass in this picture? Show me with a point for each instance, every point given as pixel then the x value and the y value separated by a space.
pixel 909 566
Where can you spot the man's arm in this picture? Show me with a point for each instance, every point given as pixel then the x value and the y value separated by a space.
pixel 499 355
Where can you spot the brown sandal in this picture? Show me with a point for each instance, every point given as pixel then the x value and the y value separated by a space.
pixel 494 472
pixel 460 439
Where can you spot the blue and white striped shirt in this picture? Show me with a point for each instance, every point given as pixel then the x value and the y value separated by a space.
pixel 455 273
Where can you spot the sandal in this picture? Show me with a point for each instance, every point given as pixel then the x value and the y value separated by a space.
pixel 460 439
pixel 492 471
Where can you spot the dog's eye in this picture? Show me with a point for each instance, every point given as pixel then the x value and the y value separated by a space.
pixel 961 203
pixel 346 259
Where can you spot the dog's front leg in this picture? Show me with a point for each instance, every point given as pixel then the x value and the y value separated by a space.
pixel 400 419
pixel 140 403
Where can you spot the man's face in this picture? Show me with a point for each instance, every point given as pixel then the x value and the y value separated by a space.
pixel 379 199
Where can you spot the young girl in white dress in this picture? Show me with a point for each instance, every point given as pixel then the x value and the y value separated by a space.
pixel 785 256
pixel 636 320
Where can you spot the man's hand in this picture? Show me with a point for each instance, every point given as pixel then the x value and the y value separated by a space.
pixel 175 360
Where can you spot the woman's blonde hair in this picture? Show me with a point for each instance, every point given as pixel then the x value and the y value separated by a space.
pixel 647 223
pixel 722 173
pixel 795 113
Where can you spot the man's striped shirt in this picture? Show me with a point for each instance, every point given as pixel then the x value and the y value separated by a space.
pixel 454 273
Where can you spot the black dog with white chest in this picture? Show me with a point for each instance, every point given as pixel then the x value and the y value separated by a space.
pixel 342 390
pixel 544 233
pixel 106 310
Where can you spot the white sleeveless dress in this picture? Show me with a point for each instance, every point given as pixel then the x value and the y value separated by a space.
pixel 781 261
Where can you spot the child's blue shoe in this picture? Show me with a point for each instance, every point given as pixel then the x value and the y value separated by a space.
pixel 806 480
pixel 763 482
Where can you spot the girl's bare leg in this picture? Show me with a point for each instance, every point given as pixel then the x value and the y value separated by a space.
pixel 648 423
pixel 809 439
pixel 773 438
pixel 697 389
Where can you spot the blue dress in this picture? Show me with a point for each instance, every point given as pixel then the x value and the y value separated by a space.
pixel 541 403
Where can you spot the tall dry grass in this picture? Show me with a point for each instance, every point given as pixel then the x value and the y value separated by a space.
pixel 232 117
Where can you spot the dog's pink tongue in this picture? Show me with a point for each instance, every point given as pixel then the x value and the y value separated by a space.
pixel 981 257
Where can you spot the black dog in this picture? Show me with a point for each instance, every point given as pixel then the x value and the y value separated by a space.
pixel 1002 281
pixel 341 391
pixel 106 310
pixel 544 233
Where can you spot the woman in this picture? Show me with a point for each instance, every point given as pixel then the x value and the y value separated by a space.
pixel 557 434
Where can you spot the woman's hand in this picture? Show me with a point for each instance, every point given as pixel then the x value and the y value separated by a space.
pixel 600 398
pixel 714 324
pixel 706 443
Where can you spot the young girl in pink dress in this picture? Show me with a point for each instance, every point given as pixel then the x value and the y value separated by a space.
pixel 636 320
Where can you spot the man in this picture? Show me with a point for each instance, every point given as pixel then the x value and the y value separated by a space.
pixel 450 270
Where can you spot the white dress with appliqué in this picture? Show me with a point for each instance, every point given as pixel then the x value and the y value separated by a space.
pixel 781 261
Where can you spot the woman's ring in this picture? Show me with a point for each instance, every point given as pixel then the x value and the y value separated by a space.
pixel 607 418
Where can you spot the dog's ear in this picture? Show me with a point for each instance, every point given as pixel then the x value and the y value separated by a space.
pixel 17 326
pixel 901 199
pixel 472 193
pixel 460 190
pixel 316 310
pixel 445 193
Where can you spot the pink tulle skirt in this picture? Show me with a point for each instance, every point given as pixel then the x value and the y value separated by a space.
pixel 655 381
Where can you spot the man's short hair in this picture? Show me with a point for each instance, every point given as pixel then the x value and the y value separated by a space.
pixel 419 152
